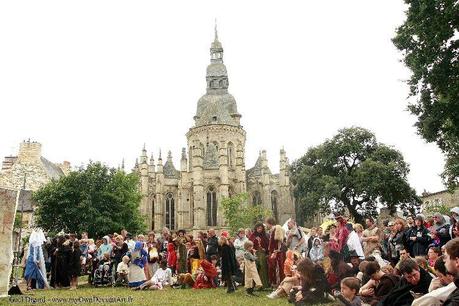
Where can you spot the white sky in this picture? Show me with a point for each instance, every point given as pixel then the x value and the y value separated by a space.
pixel 97 79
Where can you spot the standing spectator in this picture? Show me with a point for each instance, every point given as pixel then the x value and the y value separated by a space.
pixel 342 233
pixel 261 242
pixel 239 242
pixel 181 252
pixel 370 238
pixel 75 265
pixel 212 244
pixel 228 264
pixel 276 252
pixel 295 237
pixel 136 267
pixel 251 277
pixel 119 250
pixel 171 254
pixel 441 229
pixel 312 235
pixel 396 240
pixel 418 238
pixel 353 242
pixel 152 248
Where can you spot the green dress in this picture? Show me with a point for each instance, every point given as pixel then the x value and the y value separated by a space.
pixel 182 266
pixel 262 267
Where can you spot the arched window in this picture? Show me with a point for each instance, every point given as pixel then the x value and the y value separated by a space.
pixel 211 207
pixel 256 199
pixel 230 152
pixel 274 198
pixel 170 212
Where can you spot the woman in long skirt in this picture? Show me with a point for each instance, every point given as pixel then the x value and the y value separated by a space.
pixel 260 244
pixel 35 271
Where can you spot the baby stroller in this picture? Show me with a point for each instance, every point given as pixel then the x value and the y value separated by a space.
pixel 104 274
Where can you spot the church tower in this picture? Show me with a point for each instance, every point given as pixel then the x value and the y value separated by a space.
pixel 216 145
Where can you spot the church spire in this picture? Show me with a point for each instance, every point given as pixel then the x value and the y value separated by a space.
pixel 216 49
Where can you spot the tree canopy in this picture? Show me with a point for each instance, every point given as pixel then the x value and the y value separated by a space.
pixel 352 170
pixel 95 199
pixel 429 41
pixel 239 214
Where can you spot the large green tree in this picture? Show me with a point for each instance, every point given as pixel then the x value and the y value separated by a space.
pixel 239 214
pixel 352 170
pixel 96 199
pixel 429 41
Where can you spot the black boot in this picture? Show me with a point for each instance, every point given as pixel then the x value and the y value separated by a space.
pixel 249 292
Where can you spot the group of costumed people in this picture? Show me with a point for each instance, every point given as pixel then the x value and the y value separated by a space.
pixel 400 261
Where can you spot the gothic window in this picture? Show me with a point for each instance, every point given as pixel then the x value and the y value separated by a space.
pixel 221 83
pixel 256 199
pixel 211 207
pixel 230 153
pixel 274 198
pixel 170 212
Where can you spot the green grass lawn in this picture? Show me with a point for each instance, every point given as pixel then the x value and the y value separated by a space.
pixel 169 296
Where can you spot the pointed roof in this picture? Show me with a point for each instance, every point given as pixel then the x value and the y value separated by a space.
pixel 169 168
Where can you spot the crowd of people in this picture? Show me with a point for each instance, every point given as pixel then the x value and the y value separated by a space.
pixel 401 261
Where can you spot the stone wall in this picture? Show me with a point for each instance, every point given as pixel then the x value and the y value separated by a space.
pixel 7 215
pixel 440 198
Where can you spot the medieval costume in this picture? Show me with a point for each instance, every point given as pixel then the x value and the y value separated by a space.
pixel 35 271
pixel 182 255
pixel 62 266
pixel 229 266
pixel 171 255
pixel 260 244
pixel 276 252
pixel 138 257
pixel 251 276
pixel 205 276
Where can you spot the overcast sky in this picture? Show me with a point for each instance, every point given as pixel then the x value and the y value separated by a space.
pixel 98 79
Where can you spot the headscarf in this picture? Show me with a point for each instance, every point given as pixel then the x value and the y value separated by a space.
pixel 440 221
pixel 139 255
pixel 37 238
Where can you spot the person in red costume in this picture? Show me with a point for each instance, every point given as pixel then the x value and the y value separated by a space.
pixel 206 276
pixel 276 252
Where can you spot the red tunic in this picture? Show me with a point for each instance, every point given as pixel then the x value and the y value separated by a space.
pixel 171 255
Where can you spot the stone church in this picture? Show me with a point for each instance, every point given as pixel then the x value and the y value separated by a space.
pixel 212 166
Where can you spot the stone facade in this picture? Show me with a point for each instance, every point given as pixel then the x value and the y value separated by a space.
pixel 212 166
pixel 29 163
pixel 8 202
pixel 443 197
pixel 37 170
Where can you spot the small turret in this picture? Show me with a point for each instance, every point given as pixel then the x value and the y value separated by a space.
pixel 183 161
pixel 159 167
pixel 152 168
